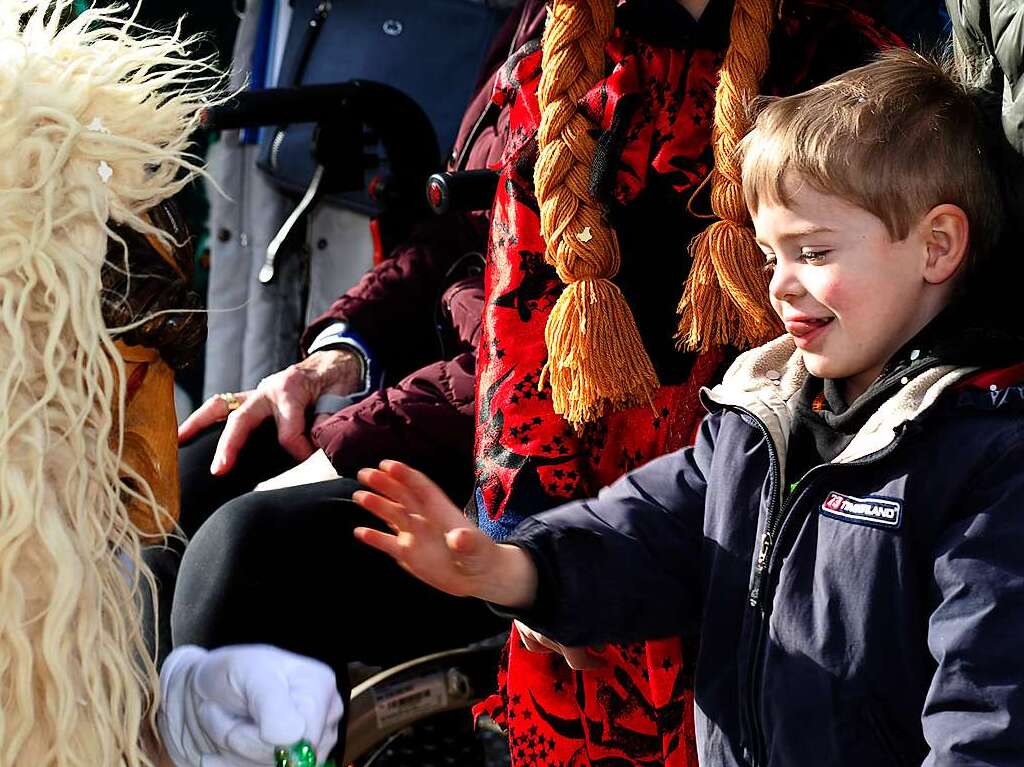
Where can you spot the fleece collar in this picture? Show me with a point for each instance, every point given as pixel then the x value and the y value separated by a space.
pixel 765 381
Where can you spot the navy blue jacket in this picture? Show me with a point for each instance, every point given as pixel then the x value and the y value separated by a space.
pixel 874 616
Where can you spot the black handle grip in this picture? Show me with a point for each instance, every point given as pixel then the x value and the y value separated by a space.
pixel 279 106
pixel 462 190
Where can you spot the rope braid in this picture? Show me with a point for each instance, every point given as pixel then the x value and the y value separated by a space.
pixel 596 358
pixel 725 301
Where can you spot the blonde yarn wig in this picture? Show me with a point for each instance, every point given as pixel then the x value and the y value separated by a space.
pixel 95 117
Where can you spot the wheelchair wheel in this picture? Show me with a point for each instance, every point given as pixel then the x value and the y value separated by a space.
pixel 418 714
pixel 443 740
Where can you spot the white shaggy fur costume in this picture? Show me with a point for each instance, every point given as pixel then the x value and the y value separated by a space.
pixel 95 118
pixel 94 124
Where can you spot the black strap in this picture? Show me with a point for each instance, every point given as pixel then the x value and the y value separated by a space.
pixel 313 28
pixel 488 118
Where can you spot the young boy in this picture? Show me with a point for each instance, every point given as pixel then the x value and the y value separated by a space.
pixel 846 534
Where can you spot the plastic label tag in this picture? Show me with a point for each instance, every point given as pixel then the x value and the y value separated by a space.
pixel 406 701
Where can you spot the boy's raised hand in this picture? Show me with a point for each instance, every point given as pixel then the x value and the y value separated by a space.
pixel 434 541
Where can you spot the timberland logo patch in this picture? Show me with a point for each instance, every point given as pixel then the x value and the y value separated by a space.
pixel 877 512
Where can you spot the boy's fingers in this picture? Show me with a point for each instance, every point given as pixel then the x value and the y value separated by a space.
pixel 533 645
pixel 411 478
pixel 377 480
pixel 579 659
pixel 378 540
pixel 532 639
pixel 463 541
pixel 425 490
pixel 385 510
pixel 470 549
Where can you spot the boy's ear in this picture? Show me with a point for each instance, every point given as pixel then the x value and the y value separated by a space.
pixel 946 235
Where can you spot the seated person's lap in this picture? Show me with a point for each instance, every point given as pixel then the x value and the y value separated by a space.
pixel 281 567
pixel 202 493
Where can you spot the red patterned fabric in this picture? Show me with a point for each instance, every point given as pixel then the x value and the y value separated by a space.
pixel 653 113
pixel 522 443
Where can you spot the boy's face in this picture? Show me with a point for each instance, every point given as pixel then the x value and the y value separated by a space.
pixel 848 295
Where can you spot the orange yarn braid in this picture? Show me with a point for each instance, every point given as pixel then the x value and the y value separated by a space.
pixel 726 298
pixel 596 359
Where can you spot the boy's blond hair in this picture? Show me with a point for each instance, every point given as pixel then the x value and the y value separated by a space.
pixel 896 137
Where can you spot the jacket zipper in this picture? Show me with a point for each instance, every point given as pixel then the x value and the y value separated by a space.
pixel 754 597
pixel 779 513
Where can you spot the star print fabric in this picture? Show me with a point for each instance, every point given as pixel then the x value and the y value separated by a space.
pixel 634 710
pixel 528 457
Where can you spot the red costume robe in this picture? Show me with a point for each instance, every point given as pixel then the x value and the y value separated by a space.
pixel 653 113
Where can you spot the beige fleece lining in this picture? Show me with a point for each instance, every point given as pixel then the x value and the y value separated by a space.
pixel 765 381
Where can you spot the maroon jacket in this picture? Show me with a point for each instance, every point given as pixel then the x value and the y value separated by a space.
pixel 425 419
pixel 419 312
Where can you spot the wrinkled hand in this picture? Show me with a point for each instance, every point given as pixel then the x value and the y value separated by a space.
pixel 578 658
pixel 232 706
pixel 434 541
pixel 284 396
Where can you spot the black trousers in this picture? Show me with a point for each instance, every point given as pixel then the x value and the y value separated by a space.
pixel 281 567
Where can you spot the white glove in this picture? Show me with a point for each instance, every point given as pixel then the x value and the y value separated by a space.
pixel 232 706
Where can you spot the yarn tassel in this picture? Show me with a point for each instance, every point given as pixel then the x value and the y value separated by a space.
pixel 596 358
pixel 725 301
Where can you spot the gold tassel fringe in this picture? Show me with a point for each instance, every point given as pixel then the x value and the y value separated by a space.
pixel 596 359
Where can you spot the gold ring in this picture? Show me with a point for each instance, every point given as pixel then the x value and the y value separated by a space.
pixel 230 400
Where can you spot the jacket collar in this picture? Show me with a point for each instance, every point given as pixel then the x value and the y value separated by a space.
pixel 766 380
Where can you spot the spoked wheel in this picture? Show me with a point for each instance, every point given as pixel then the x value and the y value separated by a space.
pixel 418 714
pixel 443 740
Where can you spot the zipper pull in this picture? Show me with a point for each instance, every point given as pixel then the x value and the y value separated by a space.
pixel 766 546
pixel 762 563
pixel 312 193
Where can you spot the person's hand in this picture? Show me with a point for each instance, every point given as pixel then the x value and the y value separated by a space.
pixel 284 396
pixel 434 541
pixel 578 658
pixel 232 706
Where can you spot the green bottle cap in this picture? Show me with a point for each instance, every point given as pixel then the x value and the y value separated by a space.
pixel 299 754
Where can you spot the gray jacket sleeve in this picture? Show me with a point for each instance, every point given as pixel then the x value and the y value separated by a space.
pixel 974 711
pixel 624 566
pixel 991 34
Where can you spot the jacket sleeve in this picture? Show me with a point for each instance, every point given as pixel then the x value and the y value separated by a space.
pixel 991 35
pixel 974 711
pixel 624 566
pixel 425 420
pixel 463 304
pixel 392 308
